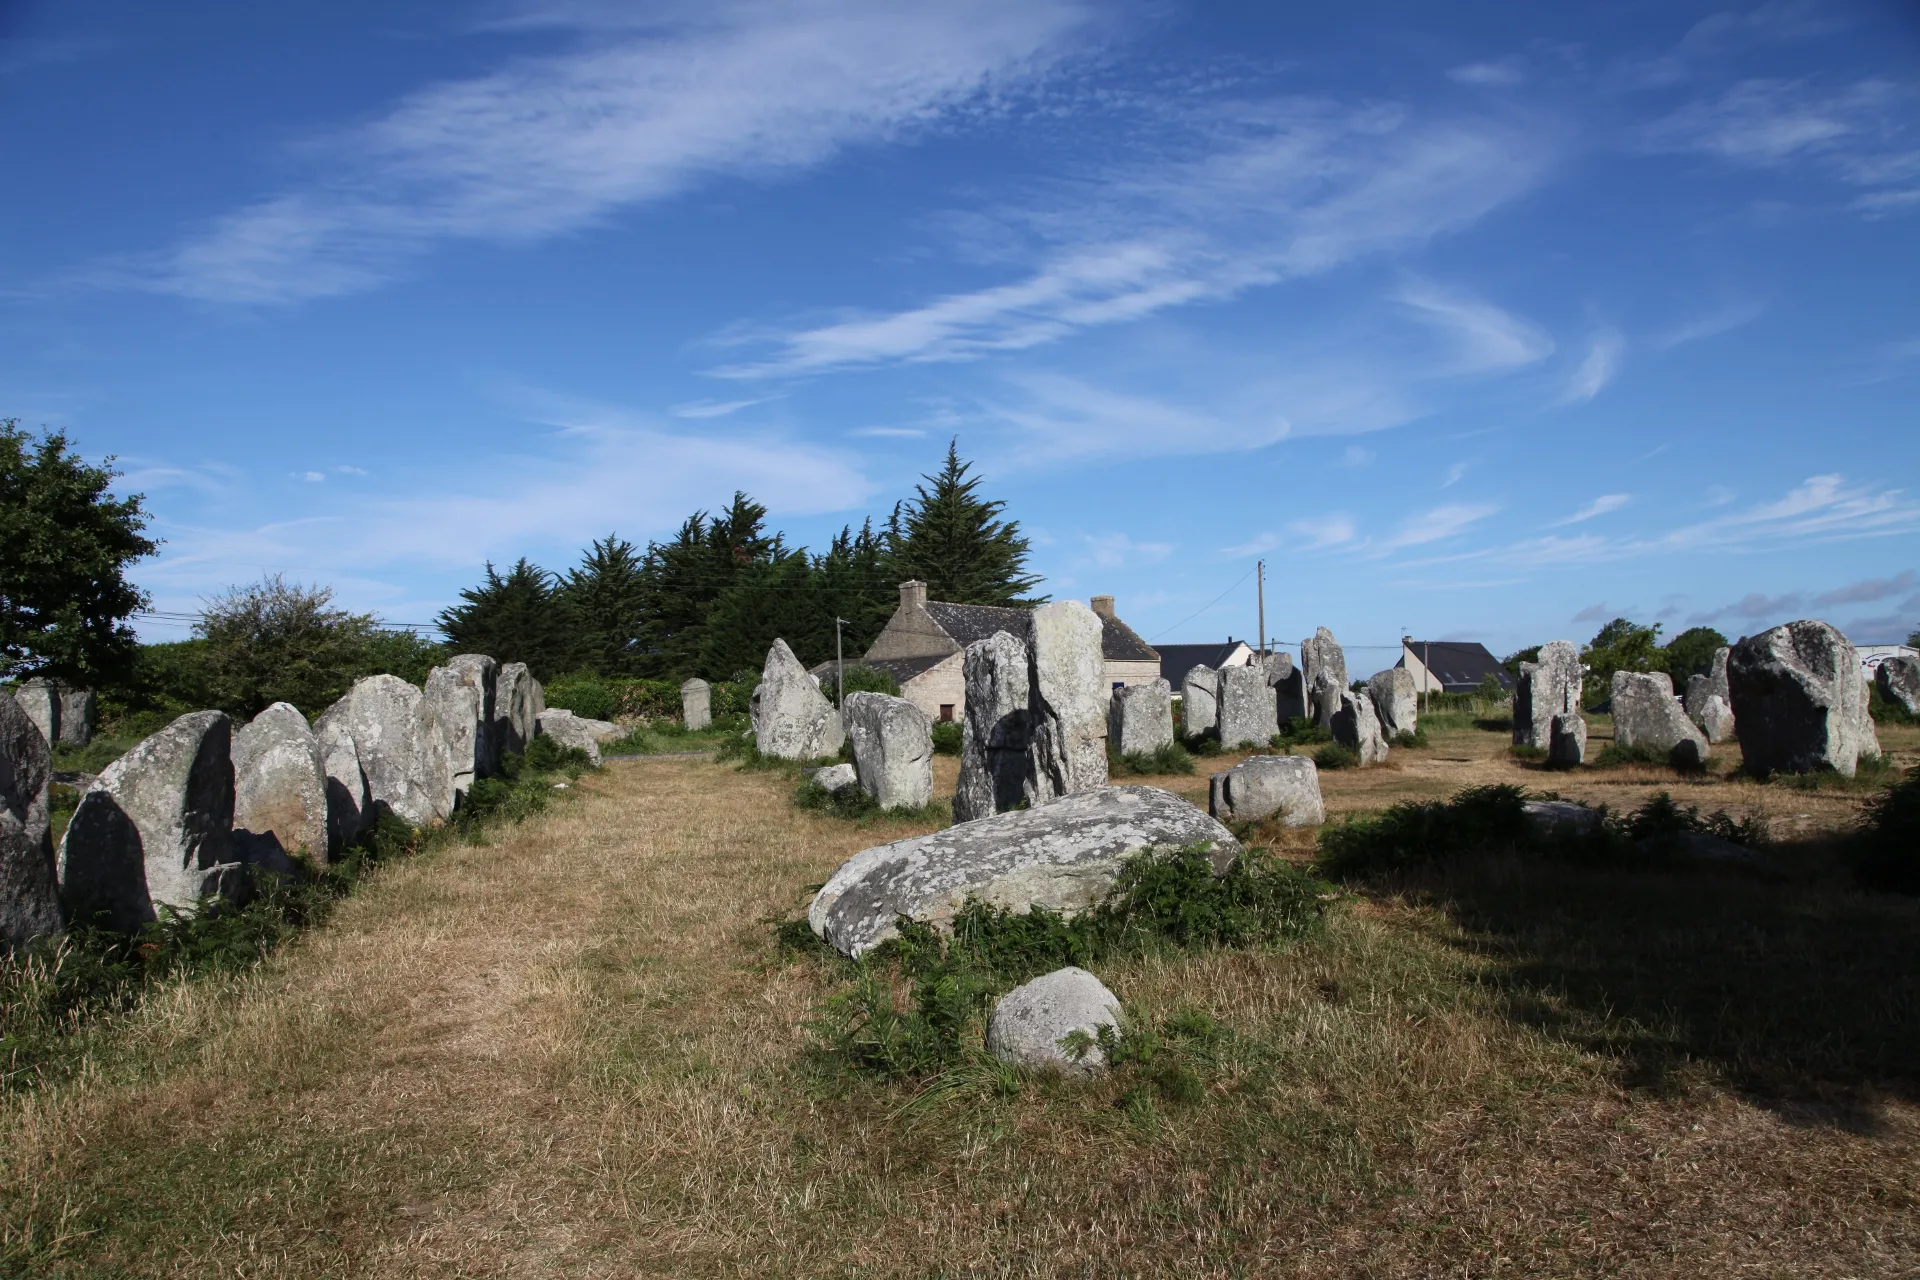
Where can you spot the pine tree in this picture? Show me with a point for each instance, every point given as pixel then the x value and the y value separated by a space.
pixel 519 617
pixel 854 581
pixel 954 541
pixel 684 579
pixel 769 600
pixel 607 599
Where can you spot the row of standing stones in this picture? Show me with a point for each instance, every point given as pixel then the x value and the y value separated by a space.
pixel 200 807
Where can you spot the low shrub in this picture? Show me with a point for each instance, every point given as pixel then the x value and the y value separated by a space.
pixel 1335 757
pixel 1172 758
pixel 1414 739
pixel 1885 849
pixel 1300 732
pixel 1204 743
pixel 1527 752
pixel 854 804
pixel 584 694
pixel 1884 710
pixel 865 679
pixel 947 737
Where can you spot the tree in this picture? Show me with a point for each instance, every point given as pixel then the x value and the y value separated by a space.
pixel 1913 639
pixel 769 600
pixel 65 545
pixel 1691 653
pixel 853 581
pixel 275 641
pixel 607 599
pixel 953 540
pixel 1511 663
pixel 686 577
pixel 519 617
pixel 1619 646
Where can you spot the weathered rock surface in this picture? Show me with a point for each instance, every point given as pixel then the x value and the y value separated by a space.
pixel 1261 786
pixel 1796 699
pixel 892 749
pixel 1140 718
pixel 79 711
pixel 1567 741
pixel 1247 707
pixel 834 777
pixel 1395 700
pixel 156 828
pixel 1031 1022
pixel 456 716
pixel 993 736
pixel 380 716
pixel 1548 687
pixel 29 886
pixel 570 730
pixel 696 704
pixel 40 699
pixel 792 719
pixel 1064 855
pixel 1325 665
pixel 1869 735
pixel 1289 690
pixel 1706 684
pixel 1199 701
pixel 1356 726
pixel 279 789
pixel 1561 815
pixel 518 700
pixel 1067 707
pixel 1646 714
pixel 1716 719
pixel 350 807
pixel 1899 681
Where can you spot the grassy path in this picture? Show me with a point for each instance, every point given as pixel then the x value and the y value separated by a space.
pixel 573 1052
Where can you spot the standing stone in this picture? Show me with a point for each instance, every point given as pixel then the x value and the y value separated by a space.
pixel 1261 786
pixel 1706 684
pixel 993 736
pixel 792 719
pixel 1247 707
pixel 1796 699
pixel 40 699
pixel 1646 714
pixel 1032 1022
pixel 380 716
pixel 155 829
pixel 1869 736
pixel 1067 713
pixel 456 717
pixel 29 888
pixel 279 789
pixel 1325 665
pixel 1567 743
pixel 1549 687
pixel 575 732
pixel 892 749
pixel 696 704
pixel 1199 701
pixel 350 807
pixel 1140 718
pixel 1716 719
pixel 1899 682
pixel 1289 690
pixel 1356 726
pixel 79 712
pixel 518 701
pixel 1395 701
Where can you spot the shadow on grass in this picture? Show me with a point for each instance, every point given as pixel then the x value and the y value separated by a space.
pixel 1804 998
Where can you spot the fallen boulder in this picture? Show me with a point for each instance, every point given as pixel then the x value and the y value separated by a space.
pixel 1140 718
pixel 993 735
pixel 1031 1023
pixel 1395 701
pixel 1199 701
pixel 1899 681
pixel 1063 855
pixel 1548 687
pixel 1567 743
pixel 834 777
pixel 1067 707
pixel 1646 714
pixel 1356 727
pixel 279 790
pixel 892 749
pixel 570 730
pixel 29 885
pixel 1247 707
pixel 518 700
pixel 696 705
pixel 155 829
pixel 1325 665
pixel 1550 816
pixel 792 719
pixel 1796 699
pixel 1263 786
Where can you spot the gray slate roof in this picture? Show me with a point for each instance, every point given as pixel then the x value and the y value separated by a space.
pixel 901 669
pixel 1121 643
pixel 969 622
pixel 1178 659
pixel 1458 665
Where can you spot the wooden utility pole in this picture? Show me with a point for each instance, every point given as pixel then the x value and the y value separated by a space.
pixel 1260 585
pixel 840 663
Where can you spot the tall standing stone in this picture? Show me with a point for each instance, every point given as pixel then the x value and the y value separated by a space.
pixel 350 807
pixel 156 828
pixel 1247 707
pixel 1548 687
pixel 1289 683
pixel 1646 714
pixel 1140 718
pixel 518 701
pixel 1395 701
pixel 40 699
pixel 792 719
pixel 29 888
pixel 380 715
pixel 1067 714
pixel 456 710
pixel 993 736
pixel 1703 689
pixel 279 789
pixel 1325 666
pixel 1796 699
pixel 79 712
pixel 1199 701
pixel 1899 681
pixel 1869 736
pixel 696 704
pixel 1356 726
pixel 1567 744
pixel 892 749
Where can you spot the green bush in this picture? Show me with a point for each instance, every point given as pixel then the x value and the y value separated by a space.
pixel 584 694
pixel 1883 710
pixel 1335 757
pixel 1172 758
pixel 1300 732
pixel 947 737
pixel 1412 739
pixel 1885 850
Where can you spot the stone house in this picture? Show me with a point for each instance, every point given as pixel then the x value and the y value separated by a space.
pixel 923 647
pixel 1450 666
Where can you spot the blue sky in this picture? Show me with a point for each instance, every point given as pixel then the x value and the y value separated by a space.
pixel 1480 321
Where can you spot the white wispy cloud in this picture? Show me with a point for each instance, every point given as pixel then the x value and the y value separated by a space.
pixel 1598 507
pixel 1724 319
pixel 1053 418
pixel 314 477
pixel 890 433
pixel 701 409
pixel 1485 336
pixel 1119 551
pixel 1503 73
pixel 548 145
pixel 1356 456
pixel 1597 369
pixel 1257 546
pixel 1317 532
pixel 1436 525
pixel 1455 474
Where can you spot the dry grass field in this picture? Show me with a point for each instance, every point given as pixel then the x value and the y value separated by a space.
pixel 576 1052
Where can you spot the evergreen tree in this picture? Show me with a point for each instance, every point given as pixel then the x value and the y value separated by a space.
pixel 519 617
pixel 953 540
pixel 684 579
pixel 854 581
pixel 768 600
pixel 607 599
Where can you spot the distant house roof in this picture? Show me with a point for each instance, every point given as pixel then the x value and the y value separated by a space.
pixel 1178 659
pixel 1121 643
pixel 901 669
pixel 1459 665
pixel 966 623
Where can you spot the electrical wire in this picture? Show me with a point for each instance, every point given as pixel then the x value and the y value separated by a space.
pixel 1216 600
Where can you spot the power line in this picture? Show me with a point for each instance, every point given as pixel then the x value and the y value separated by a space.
pixel 1216 600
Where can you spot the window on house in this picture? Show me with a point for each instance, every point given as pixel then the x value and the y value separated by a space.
pixel 1119 684
pixel 946 712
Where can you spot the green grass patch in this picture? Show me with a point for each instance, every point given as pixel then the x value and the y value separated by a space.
pixel 852 803
pixel 92 758
pixel 1870 773
pixel 1524 751
pixel 1414 739
pixel 1300 732
pixel 1172 758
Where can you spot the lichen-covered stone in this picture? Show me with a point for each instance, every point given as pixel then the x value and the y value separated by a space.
pixel 1356 727
pixel 1716 719
pixel 1199 701
pixel 1551 816
pixel 1548 687
pixel 1395 700
pixel 1262 786
pixel 456 717
pixel 1796 699
pixel 279 789
pixel 1325 666
pixel 1140 718
pixel 1646 714
pixel 1567 741
pixel 1247 707
pixel 993 736
pixel 40 699
pixel 834 777
pixel 570 730
pixel 1899 680
pixel 1064 855
pixel 29 885
pixel 892 749
pixel 1067 706
pixel 350 808
pixel 792 719
pixel 518 700
pixel 1032 1024
pixel 79 711
pixel 403 767
pixel 696 704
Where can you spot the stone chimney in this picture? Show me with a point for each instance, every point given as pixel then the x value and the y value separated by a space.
pixel 913 593
pixel 1103 605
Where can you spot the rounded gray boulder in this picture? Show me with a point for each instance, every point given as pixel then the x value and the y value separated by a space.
pixel 1032 1022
